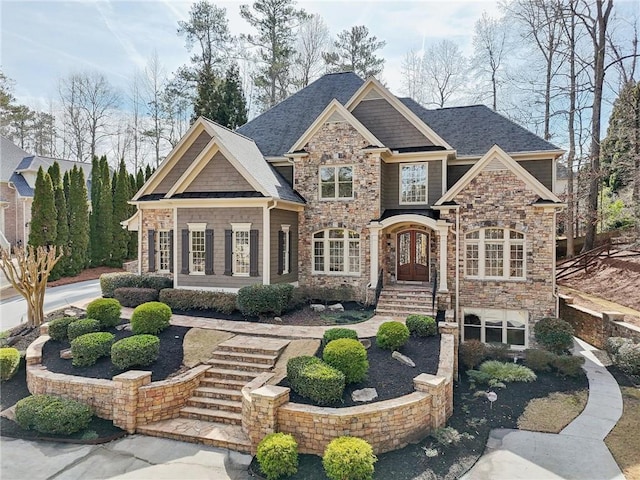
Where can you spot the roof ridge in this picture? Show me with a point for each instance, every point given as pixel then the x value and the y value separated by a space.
pixel 227 129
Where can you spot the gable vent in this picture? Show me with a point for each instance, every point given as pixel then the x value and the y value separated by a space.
pixel 372 95
pixel 495 165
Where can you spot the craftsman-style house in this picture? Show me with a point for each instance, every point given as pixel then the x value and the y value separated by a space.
pixel 344 184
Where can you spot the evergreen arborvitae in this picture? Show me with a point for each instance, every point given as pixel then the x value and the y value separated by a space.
pixel 139 179
pixel 43 229
pixel 104 220
pixel 78 222
pixel 66 181
pixel 62 227
pixel 132 247
pixel 234 105
pixel 121 209
pixel 147 173
pixel 94 239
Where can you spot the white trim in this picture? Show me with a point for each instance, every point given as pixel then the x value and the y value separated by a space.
pixel 266 244
pixel 175 247
pixel 130 222
pixel 443 232
pixel 444 175
pixel 286 268
pixel 407 218
pixel 158 251
pixel 201 161
pixel 431 156
pixel 140 243
pixel 235 229
pixel 518 156
pixel 482 313
pixel 374 242
pixel 336 182
pixel 506 241
pixel 426 182
pixel 197 228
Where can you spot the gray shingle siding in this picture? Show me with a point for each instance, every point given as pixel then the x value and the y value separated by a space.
pixel 279 218
pixel 219 176
pixel 391 185
pixel 183 163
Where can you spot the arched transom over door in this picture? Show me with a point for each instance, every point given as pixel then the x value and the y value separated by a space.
pixel 413 256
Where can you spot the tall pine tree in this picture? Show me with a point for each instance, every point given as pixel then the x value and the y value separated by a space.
pixel 121 209
pixel 78 222
pixel 62 227
pixel 132 248
pixel 94 239
pixel 43 212
pixel 139 179
pixel 102 213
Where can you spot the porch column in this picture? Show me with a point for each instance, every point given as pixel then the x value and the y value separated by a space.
pixel 374 235
pixel 443 230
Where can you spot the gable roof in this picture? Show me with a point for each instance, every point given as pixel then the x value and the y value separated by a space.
pixel 11 156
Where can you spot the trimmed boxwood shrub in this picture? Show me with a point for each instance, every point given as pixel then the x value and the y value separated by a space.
pixel 51 414
pixel 554 334
pixel 421 325
pixel 88 348
pixel 261 299
pixel 151 318
pixel 349 356
pixel 472 353
pixel 392 335
pixel 180 299
pixel 539 360
pixel 336 333
pixel 137 350
pixel 109 282
pixel 568 365
pixel 349 458
pixel 134 296
pixel 277 454
pixel 314 379
pixel 9 362
pixel 80 327
pixel 58 327
pixel 106 310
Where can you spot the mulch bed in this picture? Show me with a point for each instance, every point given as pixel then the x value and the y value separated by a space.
pixel 387 375
pixel 624 379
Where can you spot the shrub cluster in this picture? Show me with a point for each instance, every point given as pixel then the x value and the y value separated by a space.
pixel 260 299
pixel 349 458
pixel 304 295
pixel 314 379
pixel 392 335
pixel 134 296
pixel 554 334
pixel 50 414
pixel 421 325
pixel 9 362
pixel 277 454
pixel 109 282
pixel 539 360
pixel 568 365
pixel 106 310
pixel 179 299
pixel 349 356
pixel 625 354
pixel 137 350
pixel 151 318
pixel 472 353
pixel 88 348
pixel 544 361
pixel 80 327
pixel 58 327
pixel 336 333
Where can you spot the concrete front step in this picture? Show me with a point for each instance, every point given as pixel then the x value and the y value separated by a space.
pixel 199 431
pixel 235 365
pixel 254 345
pixel 245 357
pixel 219 392
pixel 215 404
pixel 216 416
pixel 230 374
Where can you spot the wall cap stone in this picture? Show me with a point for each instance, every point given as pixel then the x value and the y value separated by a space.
pixel 131 376
pixel 374 407
pixel 270 391
pixel 429 380
pixel 614 316
pixel 34 350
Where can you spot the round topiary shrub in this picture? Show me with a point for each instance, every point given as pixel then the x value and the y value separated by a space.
pixel 277 455
pixel 539 360
pixel 88 348
pixel 151 318
pixel 336 333
pixel 421 325
pixel 392 335
pixel 314 379
pixel 80 327
pixel 554 334
pixel 50 414
pixel 137 350
pixel 106 310
pixel 58 328
pixel 9 362
pixel 349 458
pixel 349 356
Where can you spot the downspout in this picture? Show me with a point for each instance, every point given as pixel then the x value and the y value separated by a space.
pixel 555 294
pixel 12 186
pixel 458 268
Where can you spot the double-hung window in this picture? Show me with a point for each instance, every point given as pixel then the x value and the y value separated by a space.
pixel 163 250
pixel 336 182
pixel 495 326
pixel 197 248
pixel 495 253
pixel 336 250
pixel 241 249
pixel 413 183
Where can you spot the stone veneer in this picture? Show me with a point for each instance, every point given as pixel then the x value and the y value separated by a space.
pixel 153 219
pixel 339 144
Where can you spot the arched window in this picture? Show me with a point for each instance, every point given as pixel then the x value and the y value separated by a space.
pixel 495 253
pixel 336 250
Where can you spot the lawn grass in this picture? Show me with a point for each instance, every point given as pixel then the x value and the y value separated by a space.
pixel 624 439
pixel 552 413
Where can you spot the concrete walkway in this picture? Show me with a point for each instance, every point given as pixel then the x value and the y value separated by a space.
pixel 577 452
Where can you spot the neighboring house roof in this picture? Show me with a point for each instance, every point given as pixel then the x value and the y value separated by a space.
pixel 34 162
pixel 23 188
pixel 10 157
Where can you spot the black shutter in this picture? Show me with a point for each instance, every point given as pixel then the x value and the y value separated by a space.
pixel 253 253
pixel 171 251
pixel 290 255
pixel 208 252
pixel 185 252
pixel 228 253
pixel 280 252
pixel 152 250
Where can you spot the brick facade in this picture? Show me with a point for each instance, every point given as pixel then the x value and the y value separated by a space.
pixel 17 213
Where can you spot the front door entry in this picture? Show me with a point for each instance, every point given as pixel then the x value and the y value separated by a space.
pixel 413 256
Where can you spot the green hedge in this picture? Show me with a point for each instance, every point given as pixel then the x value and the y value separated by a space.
pixel 109 282
pixel 554 334
pixel 392 335
pixel 80 327
pixel 349 458
pixel 421 325
pixel 264 299
pixel 133 296
pixel 151 318
pixel 277 454
pixel 349 356
pixel 50 414
pixel 336 333
pixel 9 362
pixel 180 299
pixel 58 327
pixel 137 350
pixel 106 310
pixel 314 379
pixel 88 348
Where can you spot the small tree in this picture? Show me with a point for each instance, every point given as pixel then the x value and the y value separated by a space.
pixel 28 274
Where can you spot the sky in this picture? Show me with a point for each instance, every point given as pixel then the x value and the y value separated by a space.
pixel 43 41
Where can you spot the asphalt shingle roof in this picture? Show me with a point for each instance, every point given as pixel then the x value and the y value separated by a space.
pixel 10 157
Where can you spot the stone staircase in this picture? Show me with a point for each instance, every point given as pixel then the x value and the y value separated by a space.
pixel 404 299
pixel 213 414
